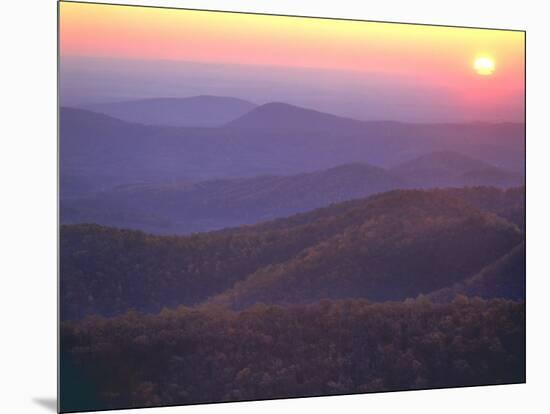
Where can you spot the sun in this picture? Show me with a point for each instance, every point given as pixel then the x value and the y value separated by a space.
pixel 484 65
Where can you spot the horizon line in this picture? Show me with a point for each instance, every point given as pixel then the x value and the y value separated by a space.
pixel 84 107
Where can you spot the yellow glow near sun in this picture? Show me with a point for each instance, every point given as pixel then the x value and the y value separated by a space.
pixel 484 65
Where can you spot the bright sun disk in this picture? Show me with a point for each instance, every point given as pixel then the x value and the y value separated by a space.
pixel 484 65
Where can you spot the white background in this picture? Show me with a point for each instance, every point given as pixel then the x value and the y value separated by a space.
pixel 28 204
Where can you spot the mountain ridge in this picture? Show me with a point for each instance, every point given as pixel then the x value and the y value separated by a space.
pixel 210 205
pixel 101 152
pixel 186 206
pixel 450 168
pixel 200 110
pixel 287 116
pixel 351 249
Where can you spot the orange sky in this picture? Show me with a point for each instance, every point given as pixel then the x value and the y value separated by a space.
pixel 441 56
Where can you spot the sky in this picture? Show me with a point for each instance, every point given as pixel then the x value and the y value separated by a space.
pixel 365 70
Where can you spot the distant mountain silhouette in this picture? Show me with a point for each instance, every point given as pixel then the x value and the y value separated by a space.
pixel 101 152
pixel 492 176
pixel 491 142
pixel 447 162
pixel 203 110
pixel 185 207
pixel 450 168
pixel 98 151
pixel 278 115
pixel 210 205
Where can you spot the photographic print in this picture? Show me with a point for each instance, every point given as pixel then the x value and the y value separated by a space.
pixel 262 206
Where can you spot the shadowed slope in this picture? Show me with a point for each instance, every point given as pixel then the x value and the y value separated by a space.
pixel 389 246
pixel 406 243
pixel 504 278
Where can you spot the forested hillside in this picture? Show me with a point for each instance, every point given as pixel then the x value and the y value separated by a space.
pixel 505 278
pixel 387 247
pixel 407 243
pixel 509 204
pixel 185 355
